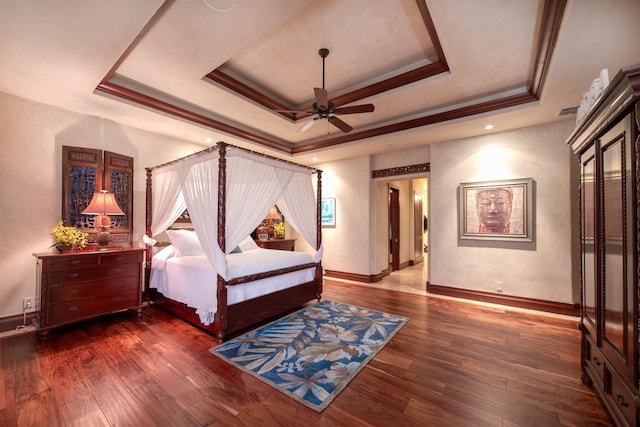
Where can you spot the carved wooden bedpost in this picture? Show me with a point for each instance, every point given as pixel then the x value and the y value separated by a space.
pixel 319 232
pixel 147 229
pixel 221 312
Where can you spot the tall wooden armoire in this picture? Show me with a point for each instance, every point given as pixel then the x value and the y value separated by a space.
pixel 607 143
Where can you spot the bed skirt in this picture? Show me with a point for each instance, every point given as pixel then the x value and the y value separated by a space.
pixel 245 314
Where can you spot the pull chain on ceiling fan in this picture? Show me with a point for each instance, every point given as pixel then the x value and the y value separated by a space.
pixel 325 109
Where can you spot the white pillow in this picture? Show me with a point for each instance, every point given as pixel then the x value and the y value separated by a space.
pixel 248 244
pixel 185 242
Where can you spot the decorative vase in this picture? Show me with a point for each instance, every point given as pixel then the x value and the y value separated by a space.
pixel 66 248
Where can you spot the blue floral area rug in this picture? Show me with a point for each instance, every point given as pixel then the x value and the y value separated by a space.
pixel 311 355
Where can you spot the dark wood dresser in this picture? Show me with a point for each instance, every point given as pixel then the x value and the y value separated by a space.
pixel 78 285
pixel 606 142
pixel 279 244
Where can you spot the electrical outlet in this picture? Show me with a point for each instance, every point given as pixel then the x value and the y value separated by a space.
pixel 499 286
pixel 27 303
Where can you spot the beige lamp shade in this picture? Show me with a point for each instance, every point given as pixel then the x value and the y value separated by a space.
pixel 273 214
pixel 103 203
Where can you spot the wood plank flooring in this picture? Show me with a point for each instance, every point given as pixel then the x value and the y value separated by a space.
pixel 453 364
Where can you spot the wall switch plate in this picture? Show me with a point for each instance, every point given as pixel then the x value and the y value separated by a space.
pixel 27 303
pixel 499 286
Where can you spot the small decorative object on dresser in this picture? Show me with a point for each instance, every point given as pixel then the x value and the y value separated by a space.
pixel 68 238
pixel 77 285
pixel 278 230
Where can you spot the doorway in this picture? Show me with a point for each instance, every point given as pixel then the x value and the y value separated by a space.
pixel 394 228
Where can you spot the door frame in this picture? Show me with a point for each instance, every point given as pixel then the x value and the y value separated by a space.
pixel 418 228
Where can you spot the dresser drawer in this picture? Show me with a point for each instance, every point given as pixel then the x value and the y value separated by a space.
pixel 76 310
pixel 594 360
pixel 72 262
pixel 621 399
pixel 121 258
pixel 90 274
pixel 97 288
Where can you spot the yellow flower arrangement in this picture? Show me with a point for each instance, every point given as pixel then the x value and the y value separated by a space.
pixel 70 236
pixel 278 229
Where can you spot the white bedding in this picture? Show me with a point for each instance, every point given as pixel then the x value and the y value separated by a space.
pixel 192 280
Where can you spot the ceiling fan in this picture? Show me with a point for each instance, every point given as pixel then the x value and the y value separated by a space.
pixel 322 108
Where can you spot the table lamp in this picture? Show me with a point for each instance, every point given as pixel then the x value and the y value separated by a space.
pixel 272 215
pixel 102 205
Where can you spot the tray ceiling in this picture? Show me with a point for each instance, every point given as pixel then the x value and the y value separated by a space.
pixel 435 69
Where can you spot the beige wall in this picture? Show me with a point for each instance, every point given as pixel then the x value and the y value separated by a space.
pixel 348 247
pixel 32 136
pixel 30 200
pixel 542 270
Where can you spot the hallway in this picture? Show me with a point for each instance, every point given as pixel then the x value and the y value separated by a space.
pixel 412 280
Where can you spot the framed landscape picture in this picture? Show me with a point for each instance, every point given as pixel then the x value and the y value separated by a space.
pixel 496 210
pixel 328 212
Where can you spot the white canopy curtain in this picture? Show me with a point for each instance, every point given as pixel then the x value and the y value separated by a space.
pixel 254 184
pixel 168 203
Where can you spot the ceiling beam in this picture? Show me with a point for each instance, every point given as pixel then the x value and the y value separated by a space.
pixel 458 113
pixel 179 112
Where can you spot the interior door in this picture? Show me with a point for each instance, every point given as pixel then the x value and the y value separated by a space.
pixel 394 228
pixel 418 228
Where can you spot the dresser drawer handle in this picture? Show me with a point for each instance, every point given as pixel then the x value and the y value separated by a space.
pixel 73 308
pixel 73 291
pixel 74 275
pixel 76 262
pixel 118 270
pixel 118 284
pixel 119 299
pixel 621 401
pixel 597 361
pixel 120 258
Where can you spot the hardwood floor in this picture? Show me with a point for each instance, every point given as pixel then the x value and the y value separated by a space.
pixel 453 364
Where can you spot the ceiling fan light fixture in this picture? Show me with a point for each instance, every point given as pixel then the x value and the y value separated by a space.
pixel 324 109
pixel 219 5
pixel 308 124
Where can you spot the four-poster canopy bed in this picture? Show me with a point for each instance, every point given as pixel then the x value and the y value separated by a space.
pixel 227 190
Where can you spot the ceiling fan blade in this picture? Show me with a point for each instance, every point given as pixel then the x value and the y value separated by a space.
pixel 293 111
pixel 308 125
pixel 322 98
pixel 340 124
pixel 364 108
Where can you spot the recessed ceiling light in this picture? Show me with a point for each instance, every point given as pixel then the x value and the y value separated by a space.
pixel 315 159
pixel 208 140
pixel 488 127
